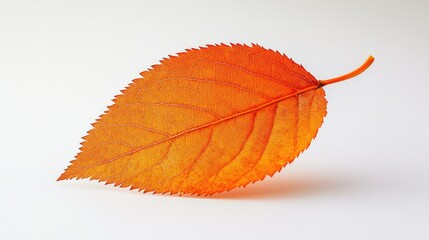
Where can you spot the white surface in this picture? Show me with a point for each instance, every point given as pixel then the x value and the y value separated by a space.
pixel 366 176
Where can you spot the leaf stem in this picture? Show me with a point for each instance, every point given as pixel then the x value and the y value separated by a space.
pixel 349 75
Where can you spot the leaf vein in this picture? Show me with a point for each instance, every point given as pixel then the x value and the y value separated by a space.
pixel 138 126
pixel 274 101
pixel 217 82
pixel 263 150
pixel 252 127
pixel 204 149
pixel 174 105
pixel 251 73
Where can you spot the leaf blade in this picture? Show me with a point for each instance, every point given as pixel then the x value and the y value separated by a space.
pixel 253 92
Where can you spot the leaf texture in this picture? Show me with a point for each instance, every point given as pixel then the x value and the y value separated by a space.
pixel 205 121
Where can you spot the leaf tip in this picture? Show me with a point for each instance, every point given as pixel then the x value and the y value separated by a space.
pixel 61 177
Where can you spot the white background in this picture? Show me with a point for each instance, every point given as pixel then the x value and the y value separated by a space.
pixel 366 176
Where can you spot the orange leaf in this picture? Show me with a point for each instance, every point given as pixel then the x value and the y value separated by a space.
pixel 205 121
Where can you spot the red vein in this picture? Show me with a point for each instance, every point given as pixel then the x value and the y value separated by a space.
pixel 174 105
pixel 194 162
pixel 274 101
pixel 136 126
pixel 262 152
pixel 287 68
pixel 250 72
pixel 217 173
pixel 160 161
pixel 216 82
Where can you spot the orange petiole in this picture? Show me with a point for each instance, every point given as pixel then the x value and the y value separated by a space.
pixel 349 75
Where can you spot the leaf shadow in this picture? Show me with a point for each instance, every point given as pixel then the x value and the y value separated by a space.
pixel 284 187
pixel 278 187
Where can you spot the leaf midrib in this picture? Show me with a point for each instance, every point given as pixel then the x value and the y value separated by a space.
pixel 274 101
